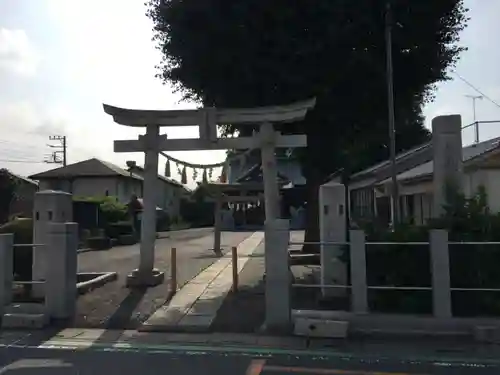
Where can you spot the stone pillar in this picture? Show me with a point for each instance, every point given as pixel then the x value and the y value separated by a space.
pixel 6 270
pixel 359 289
pixel 146 275
pixel 440 266
pixel 269 171
pixel 60 285
pixel 49 207
pixel 332 228
pixel 278 280
pixel 447 150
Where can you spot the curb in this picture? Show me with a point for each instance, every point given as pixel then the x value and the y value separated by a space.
pixel 86 250
pixel 96 282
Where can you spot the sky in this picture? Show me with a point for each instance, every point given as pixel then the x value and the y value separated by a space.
pixel 60 60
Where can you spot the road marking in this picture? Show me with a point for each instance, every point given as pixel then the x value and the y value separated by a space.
pixel 327 371
pixel 256 367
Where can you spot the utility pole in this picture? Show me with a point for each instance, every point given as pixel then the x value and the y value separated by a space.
pixel 61 148
pixel 476 124
pixel 391 117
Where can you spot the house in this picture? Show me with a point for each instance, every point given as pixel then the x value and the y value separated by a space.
pixel 92 177
pixel 170 191
pixel 369 196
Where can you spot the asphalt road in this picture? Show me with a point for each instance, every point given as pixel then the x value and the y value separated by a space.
pixel 35 361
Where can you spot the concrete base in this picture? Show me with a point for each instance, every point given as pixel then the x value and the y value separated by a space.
pixel 25 315
pixel 135 279
pixel 396 325
pixel 321 328
pixel 487 334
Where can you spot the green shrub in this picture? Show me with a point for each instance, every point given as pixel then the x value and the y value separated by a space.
pixel 471 265
pixel 112 211
pixel 115 230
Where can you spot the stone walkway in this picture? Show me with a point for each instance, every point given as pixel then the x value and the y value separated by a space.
pixel 195 306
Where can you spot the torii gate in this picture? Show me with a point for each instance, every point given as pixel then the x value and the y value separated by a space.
pixel 207 119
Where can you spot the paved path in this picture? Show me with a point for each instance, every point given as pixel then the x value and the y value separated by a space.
pixel 195 306
pixel 244 312
pixel 115 306
pixel 28 355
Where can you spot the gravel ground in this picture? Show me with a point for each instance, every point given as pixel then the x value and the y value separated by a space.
pixel 115 306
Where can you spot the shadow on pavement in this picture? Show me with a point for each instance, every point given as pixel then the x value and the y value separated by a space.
pixel 120 319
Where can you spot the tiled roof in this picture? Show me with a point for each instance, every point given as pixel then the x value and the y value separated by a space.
pixel 88 168
pixel 468 153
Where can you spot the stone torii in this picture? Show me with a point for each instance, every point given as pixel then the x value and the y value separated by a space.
pixel 206 119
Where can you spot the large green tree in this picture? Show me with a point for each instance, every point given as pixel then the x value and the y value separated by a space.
pixel 241 53
pixel 8 184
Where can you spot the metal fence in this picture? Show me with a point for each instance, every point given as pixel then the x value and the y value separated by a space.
pixel 27 282
pixel 8 249
pixel 439 283
pixel 55 295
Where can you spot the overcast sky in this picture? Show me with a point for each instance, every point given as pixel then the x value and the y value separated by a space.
pixel 61 59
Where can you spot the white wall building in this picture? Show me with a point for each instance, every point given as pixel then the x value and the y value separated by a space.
pixel 369 197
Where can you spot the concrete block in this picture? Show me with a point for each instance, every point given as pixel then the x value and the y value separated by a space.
pixel 21 320
pixel 487 334
pixel 321 328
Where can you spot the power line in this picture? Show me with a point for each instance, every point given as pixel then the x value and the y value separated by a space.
pixel 477 90
pixel 21 161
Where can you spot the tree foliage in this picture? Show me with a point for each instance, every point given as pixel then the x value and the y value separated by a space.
pixel 237 53
pixel 8 184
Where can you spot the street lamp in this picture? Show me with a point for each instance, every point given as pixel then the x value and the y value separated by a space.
pixel 392 130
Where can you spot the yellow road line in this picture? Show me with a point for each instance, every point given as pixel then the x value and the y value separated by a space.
pixel 256 367
pixel 325 371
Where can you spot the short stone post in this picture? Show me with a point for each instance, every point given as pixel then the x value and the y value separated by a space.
pixel 6 269
pixel 278 281
pixel 440 266
pixel 359 290
pixel 60 285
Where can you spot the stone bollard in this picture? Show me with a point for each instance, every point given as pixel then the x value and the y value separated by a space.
pixel 6 269
pixel 60 285
pixel 278 281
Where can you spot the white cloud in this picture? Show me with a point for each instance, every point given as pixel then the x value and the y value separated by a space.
pixel 17 54
pixel 22 118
